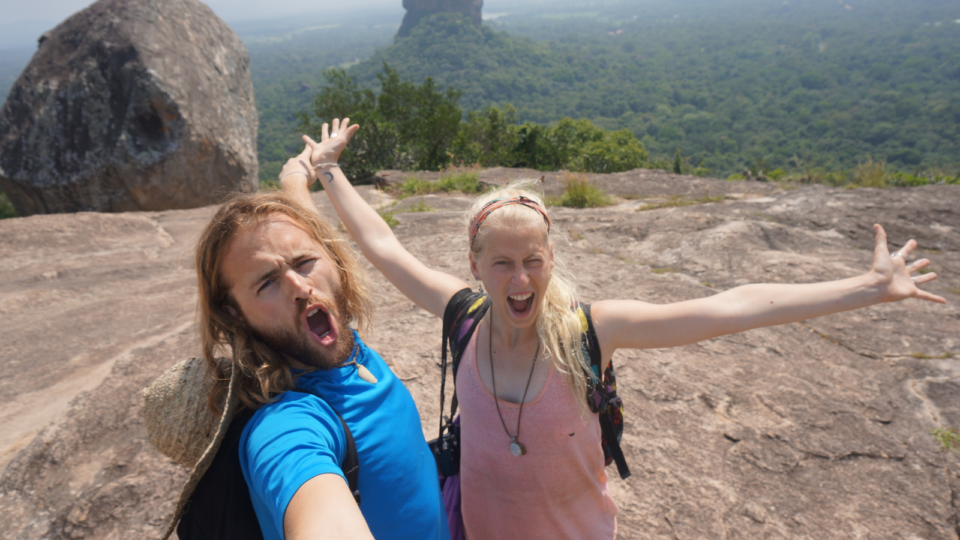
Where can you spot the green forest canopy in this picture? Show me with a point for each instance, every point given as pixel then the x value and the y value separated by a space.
pixel 789 85
pixel 731 83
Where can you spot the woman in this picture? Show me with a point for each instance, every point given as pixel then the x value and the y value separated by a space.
pixel 531 462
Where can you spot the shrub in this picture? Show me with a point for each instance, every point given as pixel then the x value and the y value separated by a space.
pixel 580 193
pixel 465 181
pixel 615 152
pixel 871 174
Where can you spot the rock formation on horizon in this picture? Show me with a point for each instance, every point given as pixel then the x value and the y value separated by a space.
pixel 131 105
pixel 418 9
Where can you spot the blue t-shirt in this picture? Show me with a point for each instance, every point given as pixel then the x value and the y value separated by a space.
pixel 299 437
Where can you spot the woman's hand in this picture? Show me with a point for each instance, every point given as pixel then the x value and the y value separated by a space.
pixel 894 273
pixel 333 139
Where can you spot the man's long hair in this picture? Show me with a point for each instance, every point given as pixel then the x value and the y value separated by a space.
pixel 264 372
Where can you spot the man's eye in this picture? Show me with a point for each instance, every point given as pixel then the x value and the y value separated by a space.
pixel 266 284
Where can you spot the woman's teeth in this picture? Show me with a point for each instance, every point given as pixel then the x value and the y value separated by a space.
pixel 520 297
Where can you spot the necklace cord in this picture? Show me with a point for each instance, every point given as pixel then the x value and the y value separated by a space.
pixel 493 378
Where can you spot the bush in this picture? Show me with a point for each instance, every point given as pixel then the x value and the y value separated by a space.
pixel 580 193
pixel 615 152
pixel 870 174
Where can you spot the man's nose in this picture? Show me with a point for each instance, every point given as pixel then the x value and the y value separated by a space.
pixel 298 286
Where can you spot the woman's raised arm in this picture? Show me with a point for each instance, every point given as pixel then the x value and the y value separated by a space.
pixel 426 287
pixel 639 325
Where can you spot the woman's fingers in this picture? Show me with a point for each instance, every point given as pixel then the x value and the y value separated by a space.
pixel 926 278
pixel 324 132
pixel 350 131
pixel 924 295
pixel 335 127
pixel 917 265
pixel 904 252
pixel 881 240
pixel 310 142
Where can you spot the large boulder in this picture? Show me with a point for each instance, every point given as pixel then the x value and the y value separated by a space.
pixel 131 105
pixel 418 9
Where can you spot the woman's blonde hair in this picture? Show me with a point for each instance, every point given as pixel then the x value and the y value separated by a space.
pixel 558 325
pixel 264 372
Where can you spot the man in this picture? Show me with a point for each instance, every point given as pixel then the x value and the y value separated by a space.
pixel 278 286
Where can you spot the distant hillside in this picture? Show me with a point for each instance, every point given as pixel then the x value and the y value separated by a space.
pixel 793 86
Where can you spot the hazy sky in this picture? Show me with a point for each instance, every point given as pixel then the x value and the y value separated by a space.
pixel 12 11
pixel 21 23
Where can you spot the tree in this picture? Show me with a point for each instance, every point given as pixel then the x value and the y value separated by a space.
pixel 406 125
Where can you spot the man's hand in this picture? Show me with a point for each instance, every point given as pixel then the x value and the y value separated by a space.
pixel 332 141
pixel 894 273
pixel 297 171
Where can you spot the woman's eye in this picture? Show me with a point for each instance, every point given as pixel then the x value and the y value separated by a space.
pixel 306 263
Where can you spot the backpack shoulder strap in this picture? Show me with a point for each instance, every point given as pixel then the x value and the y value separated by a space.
pixel 351 461
pixel 597 395
pixel 591 345
pixel 460 319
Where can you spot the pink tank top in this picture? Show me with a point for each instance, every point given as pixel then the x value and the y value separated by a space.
pixel 557 490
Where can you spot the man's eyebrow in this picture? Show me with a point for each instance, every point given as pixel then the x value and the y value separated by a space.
pixel 266 275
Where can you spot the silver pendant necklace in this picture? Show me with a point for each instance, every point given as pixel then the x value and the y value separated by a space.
pixel 516 447
pixel 362 370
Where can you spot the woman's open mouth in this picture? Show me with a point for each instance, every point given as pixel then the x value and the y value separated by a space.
pixel 321 325
pixel 520 304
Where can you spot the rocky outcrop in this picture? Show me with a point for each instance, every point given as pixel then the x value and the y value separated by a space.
pixel 131 105
pixel 418 9
pixel 817 429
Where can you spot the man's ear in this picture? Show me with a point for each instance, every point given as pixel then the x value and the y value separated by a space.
pixel 233 312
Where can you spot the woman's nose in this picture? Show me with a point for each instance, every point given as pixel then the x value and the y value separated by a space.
pixel 521 277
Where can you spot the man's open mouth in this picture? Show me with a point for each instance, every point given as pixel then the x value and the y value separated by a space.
pixel 520 304
pixel 321 325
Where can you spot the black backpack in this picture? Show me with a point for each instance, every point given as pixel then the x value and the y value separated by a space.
pixel 220 507
pixel 460 319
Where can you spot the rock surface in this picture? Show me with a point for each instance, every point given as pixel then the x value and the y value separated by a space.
pixel 817 429
pixel 131 105
pixel 418 9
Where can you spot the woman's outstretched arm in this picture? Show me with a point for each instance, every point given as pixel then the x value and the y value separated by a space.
pixel 639 325
pixel 426 287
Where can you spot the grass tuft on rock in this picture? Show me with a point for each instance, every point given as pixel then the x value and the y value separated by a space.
pixel 454 179
pixel 388 214
pixel 948 438
pixel 6 207
pixel 580 193
pixel 674 201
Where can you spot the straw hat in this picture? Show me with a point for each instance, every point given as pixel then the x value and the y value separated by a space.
pixel 181 425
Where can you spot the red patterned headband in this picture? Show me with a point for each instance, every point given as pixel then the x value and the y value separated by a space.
pixel 500 203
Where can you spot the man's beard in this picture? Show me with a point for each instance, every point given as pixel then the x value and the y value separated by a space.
pixel 298 346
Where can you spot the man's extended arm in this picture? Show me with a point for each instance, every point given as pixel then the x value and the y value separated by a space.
pixel 323 508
